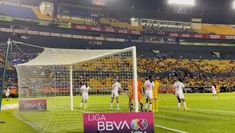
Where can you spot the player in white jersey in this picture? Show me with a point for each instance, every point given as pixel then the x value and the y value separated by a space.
pixel 8 92
pixel 84 90
pixel 178 88
pixel 213 90
pixel 148 89
pixel 114 94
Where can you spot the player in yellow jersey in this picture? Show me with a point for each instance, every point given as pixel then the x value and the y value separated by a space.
pixel 156 94
pixel 218 88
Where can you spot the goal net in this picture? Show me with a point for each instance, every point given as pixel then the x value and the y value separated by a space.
pixel 60 85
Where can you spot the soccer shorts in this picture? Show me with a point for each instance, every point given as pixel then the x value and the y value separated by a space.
pixel 214 92
pixel 7 94
pixel 85 96
pixel 155 95
pixel 180 95
pixel 114 94
pixel 140 98
pixel 149 94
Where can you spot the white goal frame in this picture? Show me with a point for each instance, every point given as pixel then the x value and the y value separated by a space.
pixel 134 63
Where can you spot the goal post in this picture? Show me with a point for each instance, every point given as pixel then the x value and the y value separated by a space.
pixel 50 86
pixel 135 78
pixel 71 87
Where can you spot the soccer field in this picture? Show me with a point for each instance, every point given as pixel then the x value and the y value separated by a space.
pixel 207 114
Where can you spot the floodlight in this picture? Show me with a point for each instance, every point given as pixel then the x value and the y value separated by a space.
pixel 182 2
pixel 233 4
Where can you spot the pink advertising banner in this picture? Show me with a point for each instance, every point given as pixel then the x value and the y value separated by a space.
pixel 33 105
pixel 119 123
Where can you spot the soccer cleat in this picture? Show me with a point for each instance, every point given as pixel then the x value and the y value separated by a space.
pixel 178 109
pixel 156 111
pixel 187 110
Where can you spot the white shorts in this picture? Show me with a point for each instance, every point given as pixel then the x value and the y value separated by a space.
pixel 85 96
pixel 114 94
pixel 180 95
pixel 149 94
pixel 7 94
pixel 214 92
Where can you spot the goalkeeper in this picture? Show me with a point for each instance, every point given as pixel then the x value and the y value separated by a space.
pixel 132 95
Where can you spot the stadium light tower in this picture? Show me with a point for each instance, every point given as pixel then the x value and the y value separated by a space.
pixel 233 4
pixel 182 2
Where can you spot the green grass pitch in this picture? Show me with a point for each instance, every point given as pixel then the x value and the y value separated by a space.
pixel 207 115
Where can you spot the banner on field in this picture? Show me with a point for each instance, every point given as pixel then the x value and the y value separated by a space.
pixel 119 122
pixel 33 105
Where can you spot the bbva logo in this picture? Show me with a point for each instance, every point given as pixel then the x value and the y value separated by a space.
pixel 136 124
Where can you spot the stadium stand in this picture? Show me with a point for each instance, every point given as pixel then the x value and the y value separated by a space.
pixel 195 67
pixel 216 29
pixel 196 72
pixel 17 11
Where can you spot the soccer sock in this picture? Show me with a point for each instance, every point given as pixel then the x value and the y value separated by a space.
pixel 179 105
pixel 185 106
pixel 156 106
pixel 141 107
pixel 146 106
pixel 81 104
pixel 85 104
pixel 118 105
pixel 150 107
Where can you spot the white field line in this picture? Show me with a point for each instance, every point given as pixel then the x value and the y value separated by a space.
pixel 170 129
pixel 27 122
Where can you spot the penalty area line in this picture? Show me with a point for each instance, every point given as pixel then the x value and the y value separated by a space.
pixel 170 129
pixel 27 122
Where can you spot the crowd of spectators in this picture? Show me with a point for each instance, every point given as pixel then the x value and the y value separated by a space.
pixel 196 73
pixel 193 66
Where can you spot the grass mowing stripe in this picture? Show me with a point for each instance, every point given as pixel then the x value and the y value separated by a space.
pixel 207 114
pixel 206 110
pixel 170 129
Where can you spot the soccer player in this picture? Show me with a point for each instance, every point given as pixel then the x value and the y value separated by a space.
pixel 218 88
pixel 178 88
pixel 156 93
pixel 213 90
pixel 132 96
pixel 114 94
pixel 84 90
pixel 148 88
pixel 8 92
